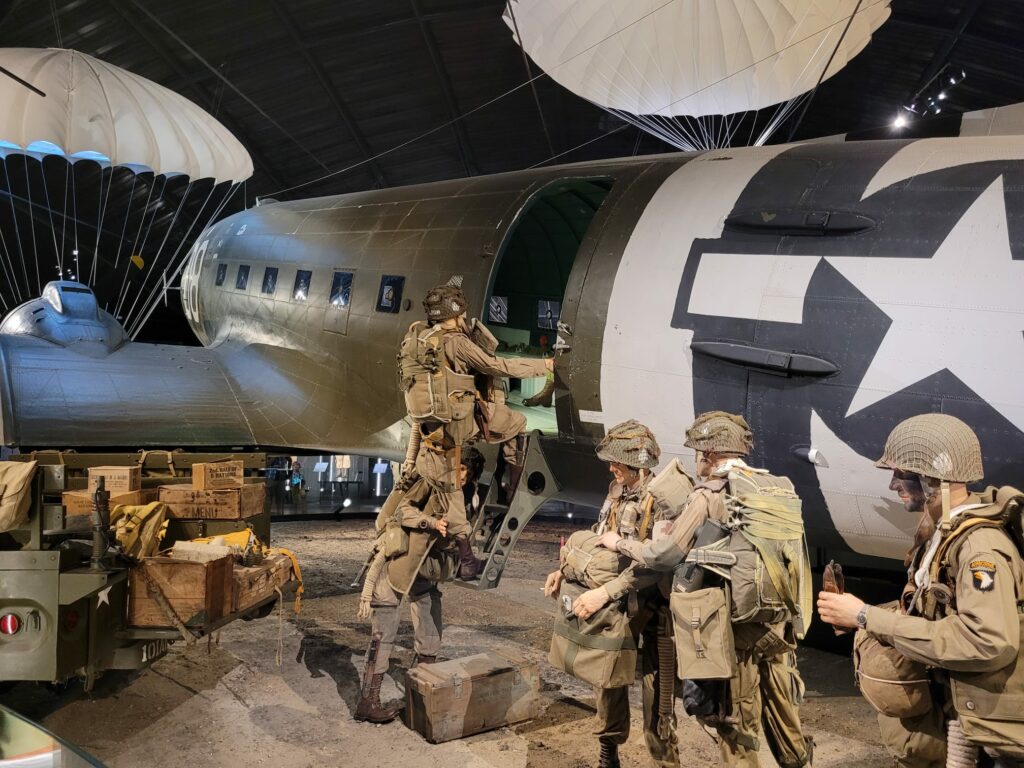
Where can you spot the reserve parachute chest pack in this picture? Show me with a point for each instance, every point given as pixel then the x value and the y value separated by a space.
pixel 425 378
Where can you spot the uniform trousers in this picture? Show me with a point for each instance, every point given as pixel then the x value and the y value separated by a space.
pixel 613 703
pixel 766 692
pixel 425 607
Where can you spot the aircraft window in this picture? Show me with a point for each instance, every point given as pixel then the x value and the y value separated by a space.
pixel 242 279
pixel 341 290
pixel 547 314
pixel 497 310
pixel 269 281
pixel 389 298
pixel 222 272
pixel 302 280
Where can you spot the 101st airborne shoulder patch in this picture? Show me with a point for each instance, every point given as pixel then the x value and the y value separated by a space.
pixel 983 575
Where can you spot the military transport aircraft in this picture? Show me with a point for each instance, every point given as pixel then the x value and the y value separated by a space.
pixel 826 290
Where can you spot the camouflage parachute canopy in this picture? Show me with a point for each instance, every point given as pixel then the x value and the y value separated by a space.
pixel 630 443
pixel 720 432
pixel 444 302
pixel 934 445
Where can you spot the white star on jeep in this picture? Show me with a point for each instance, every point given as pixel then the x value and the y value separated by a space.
pixel 103 597
pixel 959 310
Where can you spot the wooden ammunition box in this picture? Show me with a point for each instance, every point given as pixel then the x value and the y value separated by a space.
pixel 199 593
pixel 217 475
pixel 189 503
pixel 80 502
pixel 116 479
pixel 254 585
pixel 453 699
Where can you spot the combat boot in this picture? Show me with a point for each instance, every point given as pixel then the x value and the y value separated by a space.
pixel 609 757
pixel 422 658
pixel 369 709
pixel 470 566
pixel 545 397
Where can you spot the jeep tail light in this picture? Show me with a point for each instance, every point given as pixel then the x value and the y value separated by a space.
pixel 70 620
pixel 9 624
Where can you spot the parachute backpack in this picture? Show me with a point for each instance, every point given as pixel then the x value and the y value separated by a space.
pixel 421 372
pixel 425 378
pixel 771 576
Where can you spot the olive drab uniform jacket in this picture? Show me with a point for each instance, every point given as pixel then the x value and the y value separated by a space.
pixel 971 635
pixel 466 358
pixel 632 514
pixel 427 555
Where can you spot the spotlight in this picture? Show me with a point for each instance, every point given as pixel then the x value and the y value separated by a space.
pixel 346 503
pixel 899 122
pixel 569 515
pixel 942 95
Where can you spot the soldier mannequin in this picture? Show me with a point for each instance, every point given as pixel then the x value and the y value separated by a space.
pixel 977 633
pixel 631 452
pixel 437 460
pixel 767 686
pixel 429 561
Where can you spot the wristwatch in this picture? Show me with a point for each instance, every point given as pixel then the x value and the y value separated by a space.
pixel 862 617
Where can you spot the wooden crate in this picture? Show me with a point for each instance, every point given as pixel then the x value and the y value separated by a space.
pixel 255 584
pixel 116 479
pixel 461 697
pixel 78 503
pixel 189 503
pixel 216 475
pixel 199 593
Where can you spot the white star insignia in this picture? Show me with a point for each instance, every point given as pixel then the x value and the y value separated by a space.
pixel 103 597
pixel 958 310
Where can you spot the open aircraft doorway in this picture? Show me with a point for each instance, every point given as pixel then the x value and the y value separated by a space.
pixel 529 283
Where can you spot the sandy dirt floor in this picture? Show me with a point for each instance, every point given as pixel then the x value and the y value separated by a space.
pixel 282 693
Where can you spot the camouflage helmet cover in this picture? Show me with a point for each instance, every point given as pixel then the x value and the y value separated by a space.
pixel 934 445
pixel 630 443
pixel 720 432
pixel 445 302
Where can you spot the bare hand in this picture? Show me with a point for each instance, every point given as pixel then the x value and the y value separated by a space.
pixel 839 610
pixel 553 584
pixel 441 526
pixel 549 363
pixel 609 540
pixel 589 603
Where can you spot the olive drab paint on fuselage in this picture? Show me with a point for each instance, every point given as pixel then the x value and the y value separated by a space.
pixel 725 280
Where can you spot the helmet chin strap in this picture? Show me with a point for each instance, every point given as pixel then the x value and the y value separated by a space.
pixel 944 490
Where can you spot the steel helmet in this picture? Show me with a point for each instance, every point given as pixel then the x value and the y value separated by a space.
pixel 720 432
pixel 934 445
pixel 630 443
pixel 445 302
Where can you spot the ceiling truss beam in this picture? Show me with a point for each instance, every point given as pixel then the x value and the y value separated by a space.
pixel 447 90
pixel 945 50
pixel 199 94
pixel 331 91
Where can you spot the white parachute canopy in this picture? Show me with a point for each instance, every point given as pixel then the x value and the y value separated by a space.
pixel 93 108
pixel 692 58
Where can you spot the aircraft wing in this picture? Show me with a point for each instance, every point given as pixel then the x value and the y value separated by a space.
pixel 138 395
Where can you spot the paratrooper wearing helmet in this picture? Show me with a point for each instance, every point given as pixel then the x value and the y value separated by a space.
pixel 961 618
pixel 765 684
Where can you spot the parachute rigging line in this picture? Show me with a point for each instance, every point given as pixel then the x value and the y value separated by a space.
pixel 135 244
pixel 828 64
pixel 530 80
pixel 32 225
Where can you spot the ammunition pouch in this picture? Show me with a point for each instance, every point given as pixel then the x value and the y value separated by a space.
pixel 893 684
pixel 705 647
pixel 396 541
pixel 600 650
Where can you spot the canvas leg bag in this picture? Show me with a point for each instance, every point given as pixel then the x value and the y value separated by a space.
pixel 705 647
pixel 600 650
pixel 586 564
